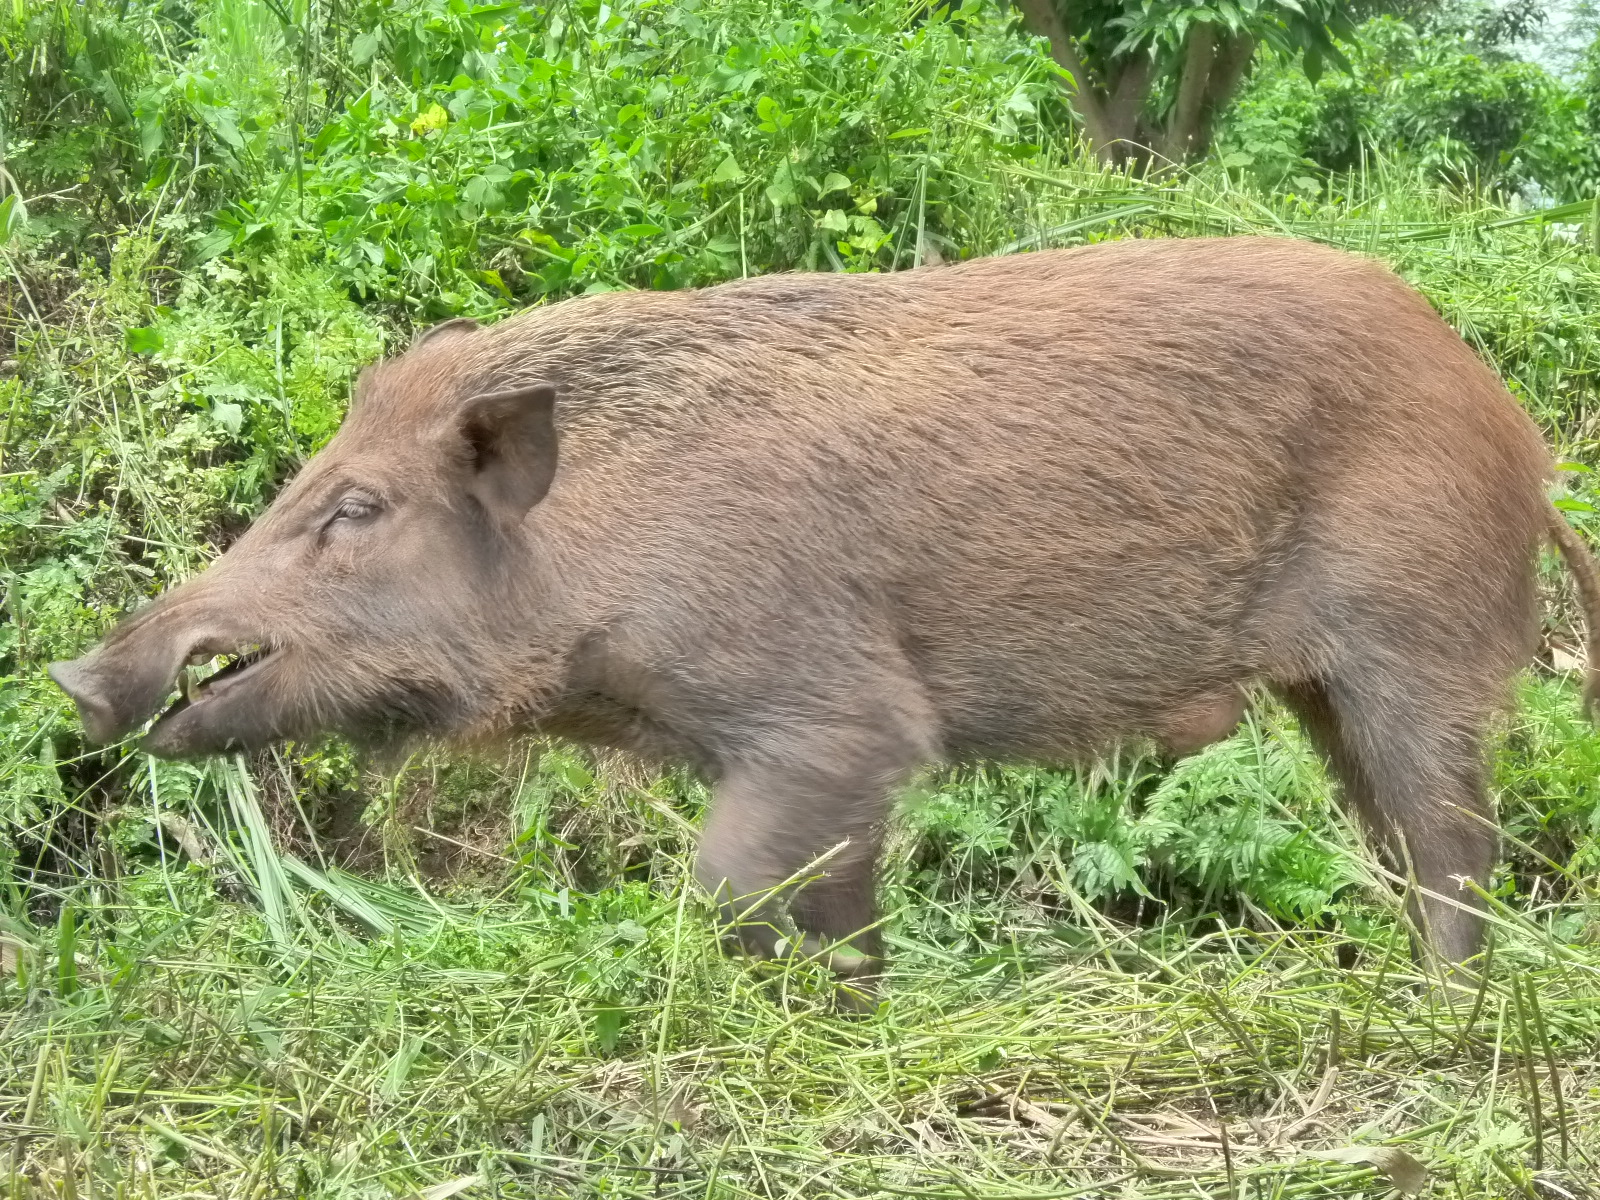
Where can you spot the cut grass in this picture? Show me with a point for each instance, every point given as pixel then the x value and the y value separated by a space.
pixel 554 1041
pixel 210 1059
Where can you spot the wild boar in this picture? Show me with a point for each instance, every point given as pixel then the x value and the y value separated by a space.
pixel 809 533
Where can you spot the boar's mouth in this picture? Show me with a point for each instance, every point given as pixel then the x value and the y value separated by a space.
pixel 196 689
pixel 215 713
pixel 260 693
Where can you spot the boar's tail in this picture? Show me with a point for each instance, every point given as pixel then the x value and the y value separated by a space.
pixel 1586 575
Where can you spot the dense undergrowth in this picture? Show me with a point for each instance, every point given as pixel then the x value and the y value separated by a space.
pixel 1445 90
pixel 298 976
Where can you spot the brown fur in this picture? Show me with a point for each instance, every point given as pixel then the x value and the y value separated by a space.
pixel 809 533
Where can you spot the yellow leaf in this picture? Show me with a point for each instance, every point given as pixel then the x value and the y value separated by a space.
pixel 1406 1173
pixel 434 119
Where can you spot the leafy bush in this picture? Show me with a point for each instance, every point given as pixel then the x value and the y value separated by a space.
pixel 1440 95
pixel 1215 829
pixel 500 153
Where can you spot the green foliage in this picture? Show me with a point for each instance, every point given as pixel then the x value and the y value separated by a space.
pixel 1439 95
pixel 1548 777
pixel 1217 828
pixel 1121 29
pixel 494 154
pixel 524 154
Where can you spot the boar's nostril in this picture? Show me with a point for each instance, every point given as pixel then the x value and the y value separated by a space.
pixel 78 682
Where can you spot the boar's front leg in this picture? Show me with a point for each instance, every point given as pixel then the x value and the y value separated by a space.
pixel 793 837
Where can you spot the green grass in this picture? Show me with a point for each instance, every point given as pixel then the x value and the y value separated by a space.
pixel 175 1035
pixel 299 975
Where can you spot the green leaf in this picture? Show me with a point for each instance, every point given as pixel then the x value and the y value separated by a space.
pixel 781 190
pixel 228 415
pixel 13 216
pixel 366 46
pixel 152 133
pixel 608 1023
pixel 398 1069
pixel 1312 63
pixel 908 133
pixel 142 340
pixel 773 118
pixel 834 182
pixel 225 124
pixel 574 776
pixel 728 172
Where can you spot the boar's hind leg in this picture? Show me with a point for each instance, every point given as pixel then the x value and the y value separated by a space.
pixel 1414 773
pixel 821 802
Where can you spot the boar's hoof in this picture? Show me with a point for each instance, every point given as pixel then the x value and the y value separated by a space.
pixel 840 958
pixel 856 993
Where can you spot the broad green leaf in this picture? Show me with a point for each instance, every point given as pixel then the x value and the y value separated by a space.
pixel 142 340
pixel 365 47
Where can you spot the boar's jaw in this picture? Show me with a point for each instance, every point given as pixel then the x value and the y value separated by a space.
pixel 223 712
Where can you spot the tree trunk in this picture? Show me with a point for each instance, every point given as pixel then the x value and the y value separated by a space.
pixel 1113 110
pixel 1183 131
pixel 1128 140
pixel 1044 20
pixel 1228 70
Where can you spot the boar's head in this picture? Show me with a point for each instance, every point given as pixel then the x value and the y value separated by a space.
pixel 376 596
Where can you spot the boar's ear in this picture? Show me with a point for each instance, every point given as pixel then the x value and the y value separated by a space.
pixel 444 329
pixel 511 437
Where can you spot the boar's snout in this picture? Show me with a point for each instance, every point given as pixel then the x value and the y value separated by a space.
pixel 116 691
pixel 127 678
pixel 98 711
pixel 118 686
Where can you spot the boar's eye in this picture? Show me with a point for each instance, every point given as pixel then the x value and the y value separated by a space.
pixel 353 508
